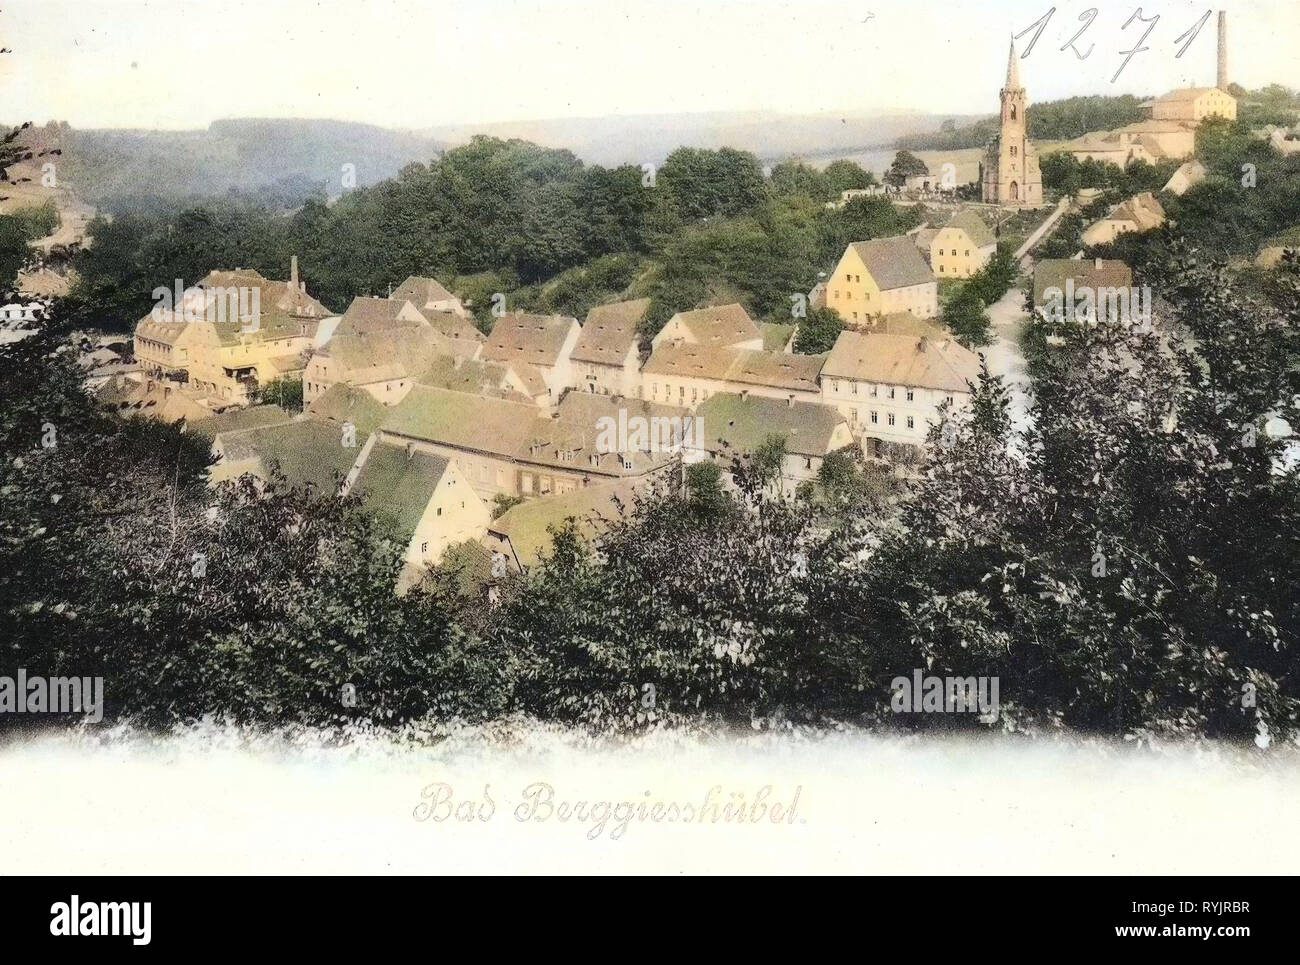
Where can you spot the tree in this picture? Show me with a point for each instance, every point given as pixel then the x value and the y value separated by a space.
pixel 817 333
pixel 905 165
pixel 843 175
pixel 964 316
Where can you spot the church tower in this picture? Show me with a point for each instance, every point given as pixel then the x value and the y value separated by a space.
pixel 1009 173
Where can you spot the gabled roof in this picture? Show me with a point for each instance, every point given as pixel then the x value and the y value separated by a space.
pixel 1086 272
pixel 237 420
pixel 342 403
pixel 534 339
pixel 902 360
pixel 717 325
pixel 743 424
pixel 528 526
pixel 893 262
pixel 466 421
pixel 307 452
pixel 367 316
pixel 1187 94
pixel 610 332
pixel 476 377
pixel 1141 209
pixel 974 226
pixel 421 291
pixel 776 336
pixel 777 369
pixel 397 484
pixel 905 323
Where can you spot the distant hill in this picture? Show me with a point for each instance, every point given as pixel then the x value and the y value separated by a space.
pixel 1059 120
pixel 649 138
pixel 274 161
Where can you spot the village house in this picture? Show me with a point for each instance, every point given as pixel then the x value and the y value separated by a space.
pixel 714 326
pixel 687 374
pixel 890 387
pixel 422 496
pixel 1142 212
pixel 1010 173
pixel 525 533
pixel 606 357
pixel 1105 279
pixel 1191 105
pixel 222 357
pixel 882 276
pixel 1188 175
pixel 538 347
pixel 962 247
pixel 428 295
pixel 1151 141
pixel 738 425
pixel 509 448
pixel 382 344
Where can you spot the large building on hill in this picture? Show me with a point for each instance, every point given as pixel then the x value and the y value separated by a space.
pixel 1009 173
pixel 230 334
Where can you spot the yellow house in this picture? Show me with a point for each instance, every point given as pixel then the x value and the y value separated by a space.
pixel 962 246
pixel 687 374
pixel 230 334
pixel 1191 105
pixel 880 277
pixel 423 496
pixel 1142 212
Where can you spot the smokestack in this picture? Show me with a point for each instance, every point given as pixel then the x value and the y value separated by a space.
pixel 293 270
pixel 1223 51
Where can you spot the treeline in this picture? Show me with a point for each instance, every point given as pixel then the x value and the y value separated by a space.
pixel 508 216
pixel 1049 121
pixel 1127 563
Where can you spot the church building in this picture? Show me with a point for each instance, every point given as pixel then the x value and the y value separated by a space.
pixel 1009 173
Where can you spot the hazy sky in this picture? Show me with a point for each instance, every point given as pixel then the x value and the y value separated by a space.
pixel 419 63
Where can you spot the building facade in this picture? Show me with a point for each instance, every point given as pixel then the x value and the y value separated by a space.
pixel 1009 173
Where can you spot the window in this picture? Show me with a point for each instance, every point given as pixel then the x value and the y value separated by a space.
pixel 853 387
pixel 911 423
pixel 424 547
pixel 439 510
pixel 835 386
pixel 874 391
pixel 874 417
pixel 891 391
pixel 890 418
pixel 941 269
pixel 967 252
pixel 910 395
pixel 949 398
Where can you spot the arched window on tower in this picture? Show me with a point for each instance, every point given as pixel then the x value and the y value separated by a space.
pixel 1013 112
pixel 1013 150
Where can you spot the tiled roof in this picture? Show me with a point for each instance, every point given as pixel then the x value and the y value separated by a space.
pixel 1086 272
pixel 610 331
pixel 902 360
pixel 743 424
pixel 778 369
pixel 534 339
pixel 397 484
pixel 893 262
pixel 974 226
pixel 718 325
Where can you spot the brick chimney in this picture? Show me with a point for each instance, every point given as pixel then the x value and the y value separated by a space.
pixel 1222 79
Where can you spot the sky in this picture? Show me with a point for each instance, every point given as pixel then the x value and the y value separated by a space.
pixel 175 64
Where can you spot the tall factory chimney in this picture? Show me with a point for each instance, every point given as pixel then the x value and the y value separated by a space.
pixel 1222 81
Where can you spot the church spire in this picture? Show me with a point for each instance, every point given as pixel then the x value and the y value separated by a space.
pixel 1013 69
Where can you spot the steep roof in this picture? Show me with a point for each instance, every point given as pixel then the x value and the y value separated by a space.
pixel 974 226
pixel 902 360
pixel 421 291
pixel 236 420
pixel 342 403
pixel 905 323
pixel 744 424
pixel 368 315
pixel 480 423
pixel 775 335
pixel 778 369
pixel 893 262
pixel 528 525
pixel 1141 209
pixel 535 339
pixel 1186 94
pixel 398 484
pixel 610 331
pixel 717 325
pixel 307 452
pixel 470 375
pixel 1086 272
